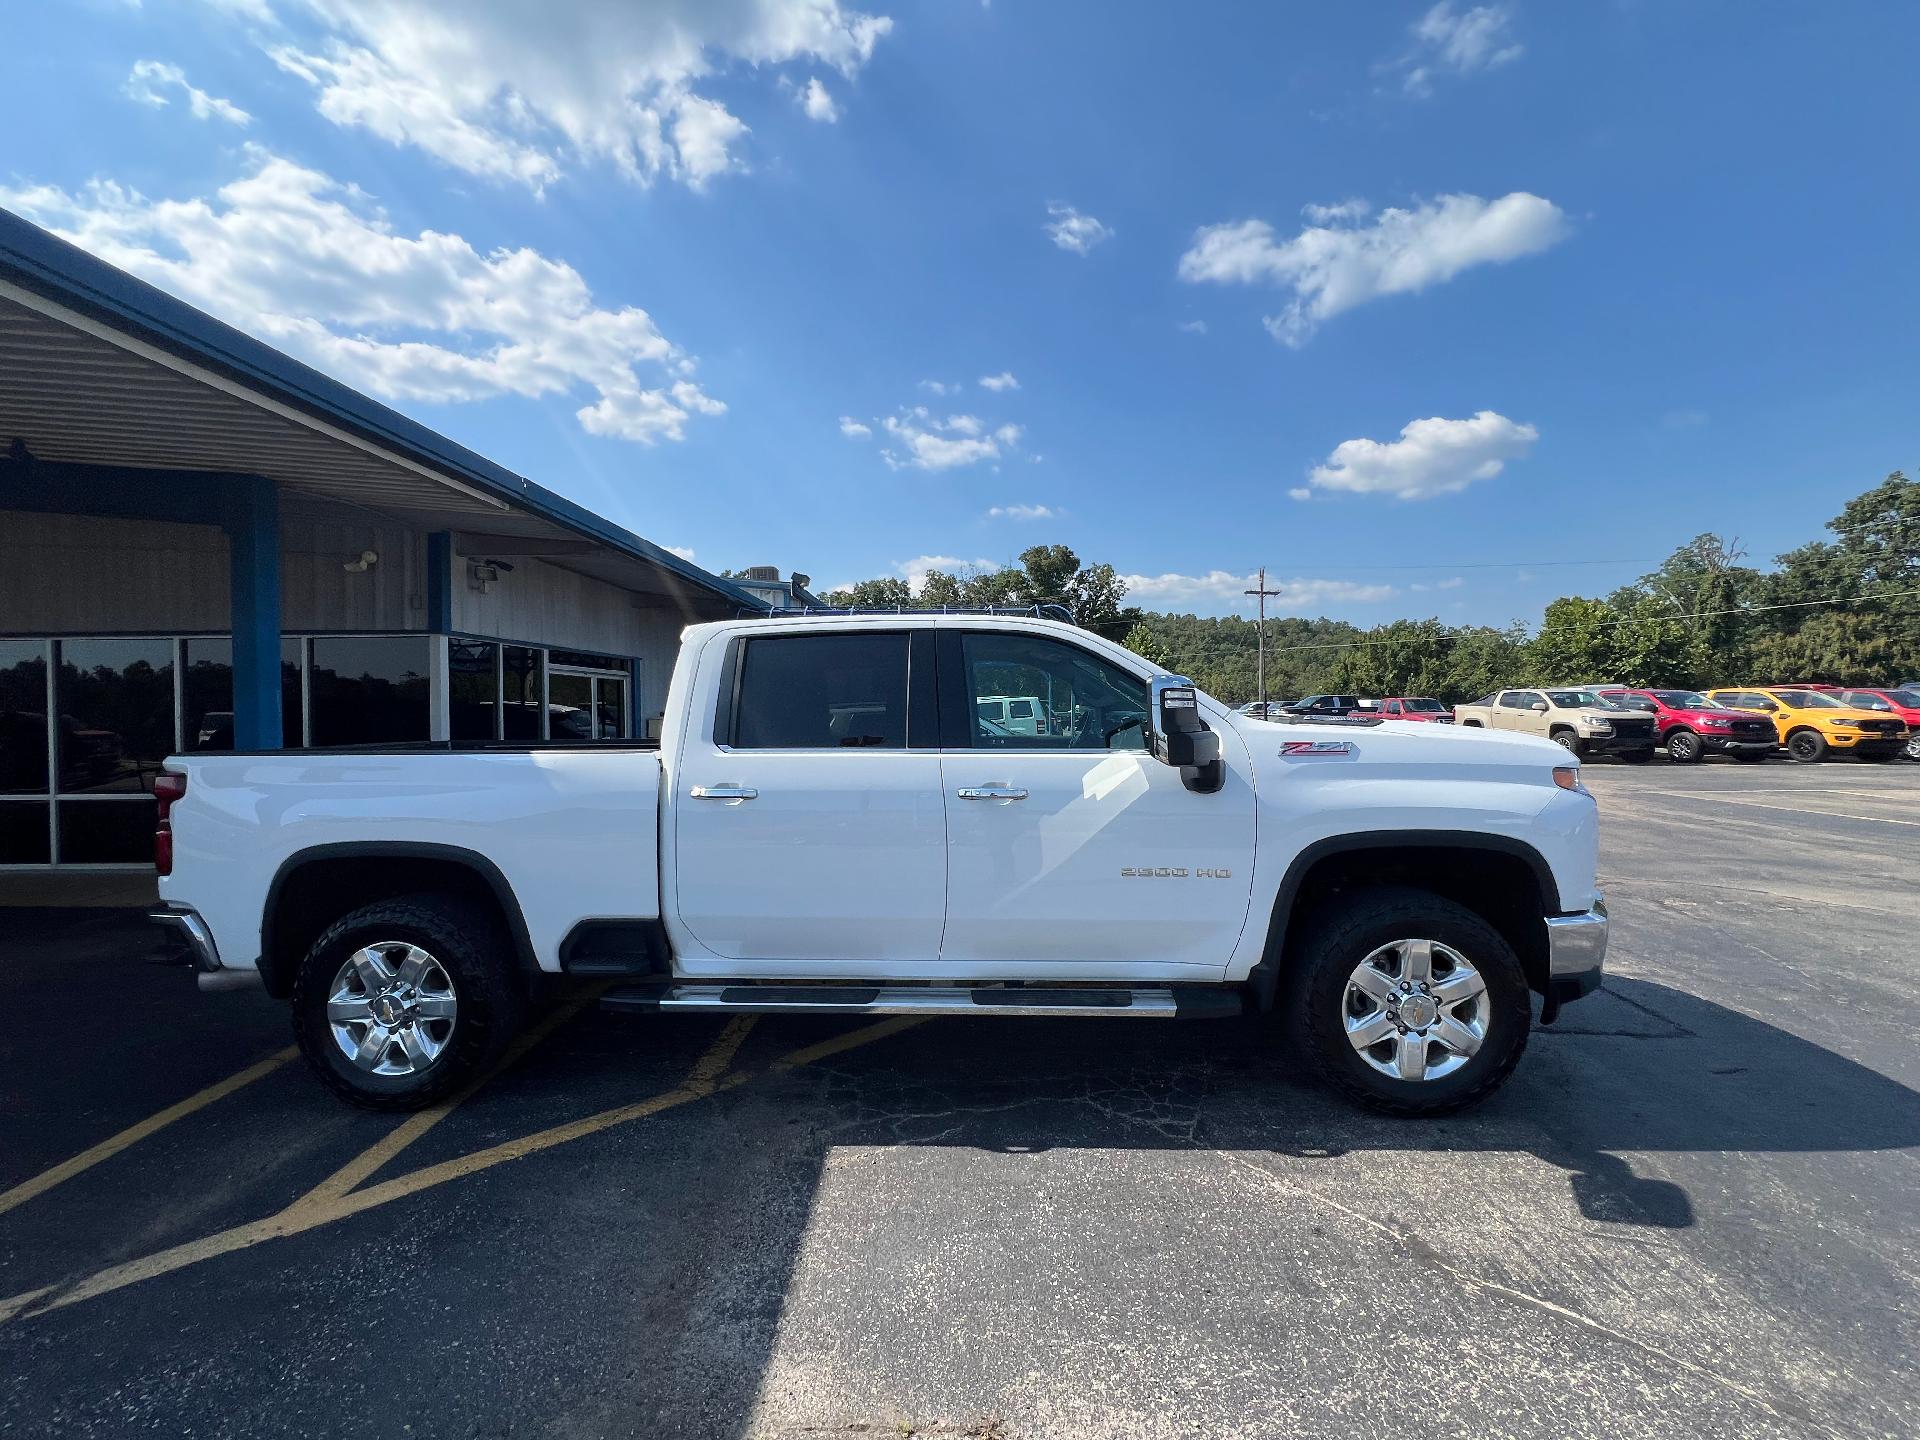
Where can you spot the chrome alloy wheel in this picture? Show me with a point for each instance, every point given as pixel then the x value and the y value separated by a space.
pixel 392 1008
pixel 1416 1009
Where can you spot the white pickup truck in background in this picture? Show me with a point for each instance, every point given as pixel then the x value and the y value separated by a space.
pixel 831 823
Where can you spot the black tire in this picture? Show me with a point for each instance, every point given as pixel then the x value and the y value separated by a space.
pixel 1568 740
pixel 1752 757
pixel 1912 752
pixel 1340 935
pixel 479 964
pixel 1807 746
pixel 1684 747
pixel 1471 725
pixel 1636 757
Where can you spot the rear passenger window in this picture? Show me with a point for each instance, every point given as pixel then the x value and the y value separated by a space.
pixel 821 692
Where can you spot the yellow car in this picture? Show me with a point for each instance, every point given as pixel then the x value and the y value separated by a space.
pixel 1814 724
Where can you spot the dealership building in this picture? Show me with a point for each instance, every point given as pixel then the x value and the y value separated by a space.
pixel 205 544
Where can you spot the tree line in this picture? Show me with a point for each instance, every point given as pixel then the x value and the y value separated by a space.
pixel 1842 611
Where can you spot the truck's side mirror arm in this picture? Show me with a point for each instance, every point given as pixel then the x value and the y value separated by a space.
pixel 1181 738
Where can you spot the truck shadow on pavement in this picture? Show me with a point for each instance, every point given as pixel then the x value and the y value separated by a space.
pixel 640 1281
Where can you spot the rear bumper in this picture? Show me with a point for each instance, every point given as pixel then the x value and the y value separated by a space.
pixel 1576 952
pixel 185 922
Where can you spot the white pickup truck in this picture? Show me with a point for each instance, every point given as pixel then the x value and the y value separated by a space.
pixel 831 824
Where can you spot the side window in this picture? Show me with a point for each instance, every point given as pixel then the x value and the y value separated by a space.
pixel 1392 707
pixel 1055 696
pixel 1512 700
pixel 821 692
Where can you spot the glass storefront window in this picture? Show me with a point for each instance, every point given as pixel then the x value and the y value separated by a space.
pixel 369 690
pixel 106 832
pixel 473 688
pixel 207 694
pixel 522 683
pixel 23 719
pixel 114 700
pixel 24 837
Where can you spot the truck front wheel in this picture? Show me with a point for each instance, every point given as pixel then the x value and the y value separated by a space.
pixel 404 1000
pixel 1807 746
pixel 1408 1002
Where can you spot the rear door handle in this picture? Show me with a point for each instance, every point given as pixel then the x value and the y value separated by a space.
pixel 724 792
pixel 991 792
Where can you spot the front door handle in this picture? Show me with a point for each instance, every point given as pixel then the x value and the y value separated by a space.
pixel 724 792
pixel 991 792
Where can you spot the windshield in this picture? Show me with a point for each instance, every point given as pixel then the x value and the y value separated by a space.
pixel 1423 705
pixel 1905 699
pixel 1684 700
pixel 1864 700
pixel 1580 700
pixel 1807 699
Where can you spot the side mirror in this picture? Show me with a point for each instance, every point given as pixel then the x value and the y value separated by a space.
pixel 1181 738
pixel 1538 707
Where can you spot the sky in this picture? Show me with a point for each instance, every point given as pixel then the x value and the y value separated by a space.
pixel 1430 309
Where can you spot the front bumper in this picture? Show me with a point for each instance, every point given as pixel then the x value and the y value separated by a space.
pixel 1736 744
pixel 185 922
pixel 1576 952
pixel 1614 744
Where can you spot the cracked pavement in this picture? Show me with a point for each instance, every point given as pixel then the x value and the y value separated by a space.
pixel 1692 1212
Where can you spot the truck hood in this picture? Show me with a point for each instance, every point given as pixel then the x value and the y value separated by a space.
pixel 1407 741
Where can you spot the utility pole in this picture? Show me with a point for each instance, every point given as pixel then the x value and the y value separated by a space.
pixel 1263 592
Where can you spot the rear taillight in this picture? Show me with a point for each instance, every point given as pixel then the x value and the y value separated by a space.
pixel 167 788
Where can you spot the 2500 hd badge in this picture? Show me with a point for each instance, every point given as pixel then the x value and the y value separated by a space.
pixel 1172 872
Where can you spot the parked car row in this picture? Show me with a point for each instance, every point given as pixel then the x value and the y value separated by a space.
pixel 1811 722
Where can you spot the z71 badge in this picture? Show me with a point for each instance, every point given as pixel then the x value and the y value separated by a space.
pixel 1173 872
pixel 1316 747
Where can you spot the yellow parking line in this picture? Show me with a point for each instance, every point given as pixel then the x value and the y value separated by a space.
pixel 369 1161
pixel 708 1076
pixel 133 1134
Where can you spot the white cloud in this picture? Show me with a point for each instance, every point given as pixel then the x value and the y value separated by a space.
pixel 1334 267
pixel 1071 230
pixel 925 441
pixel 1453 584
pixel 1431 457
pixel 1341 210
pixel 853 429
pixel 1221 591
pixel 1003 381
pixel 514 92
pixel 1299 492
pixel 915 570
pixel 1024 512
pixel 940 387
pixel 1458 42
pixel 1193 327
pixel 150 79
pixel 817 101
pixel 314 266
pixel 685 552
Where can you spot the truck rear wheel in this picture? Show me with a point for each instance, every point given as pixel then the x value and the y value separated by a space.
pixel 1683 747
pixel 1807 746
pixel 402 1001
pixel 1407 1002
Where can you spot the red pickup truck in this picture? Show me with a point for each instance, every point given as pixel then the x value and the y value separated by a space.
pixel 1904 702
pixel 1693 727
pixel 1416 707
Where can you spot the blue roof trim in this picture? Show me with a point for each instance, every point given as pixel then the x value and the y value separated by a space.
pixel 51 267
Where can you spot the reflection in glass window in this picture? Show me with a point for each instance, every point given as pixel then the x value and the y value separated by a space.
pixel 1033 693
pixel 114 699
pixel 207 694
pixel 24 836
pixel 818 692
pixel 106 832
pixel 473 688
pixel 23 721
pixel 370 690
pixel 521 684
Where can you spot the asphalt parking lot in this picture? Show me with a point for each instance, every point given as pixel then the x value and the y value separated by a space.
pixel 1694 1211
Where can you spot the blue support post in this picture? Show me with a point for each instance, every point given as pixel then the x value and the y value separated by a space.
pixel 253 537
pixel 440 582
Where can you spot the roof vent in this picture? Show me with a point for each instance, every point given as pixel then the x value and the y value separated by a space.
pixel 763 572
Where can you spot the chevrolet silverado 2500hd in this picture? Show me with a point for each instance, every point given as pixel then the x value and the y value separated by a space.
pixel 829 824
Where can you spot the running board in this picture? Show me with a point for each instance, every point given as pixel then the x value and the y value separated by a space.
pixel 1163 1003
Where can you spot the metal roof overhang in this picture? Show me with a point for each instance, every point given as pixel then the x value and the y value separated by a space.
pixel 99 368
